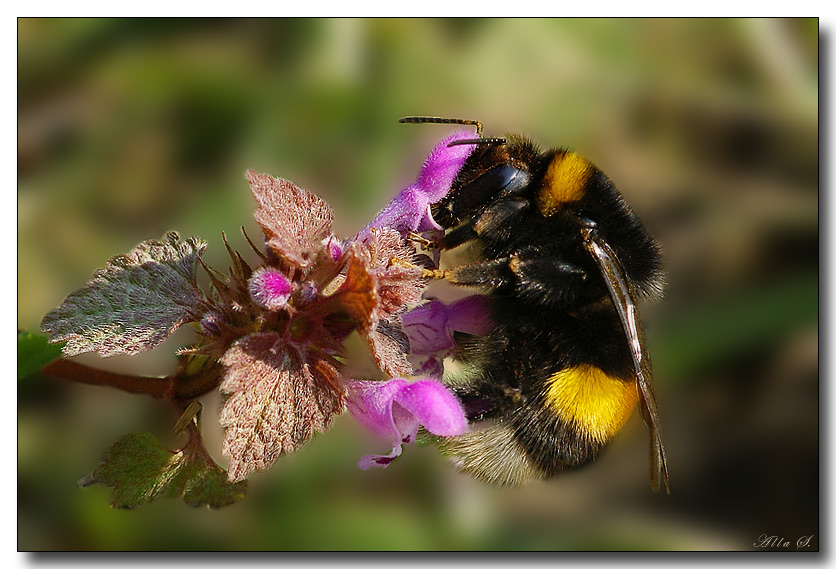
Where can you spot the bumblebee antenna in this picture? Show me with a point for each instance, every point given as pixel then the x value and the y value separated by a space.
pixel 467 122
pixel 492 140
pixel 440 120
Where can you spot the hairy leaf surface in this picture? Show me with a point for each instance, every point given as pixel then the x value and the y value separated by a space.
pixel 134 303
pixel 275 401
pixel 141 470
pixel 294 221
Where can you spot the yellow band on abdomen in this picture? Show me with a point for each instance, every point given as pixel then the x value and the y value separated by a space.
pixel 596 403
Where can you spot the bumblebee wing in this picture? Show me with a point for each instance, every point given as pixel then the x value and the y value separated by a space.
pixel 624 299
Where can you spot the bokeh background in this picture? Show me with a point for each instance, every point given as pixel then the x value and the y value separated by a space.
pixel 129 128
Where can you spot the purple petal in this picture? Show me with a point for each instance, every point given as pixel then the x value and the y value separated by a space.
pixel 379 460
pixel 370 403
pixel 432 366
pixel 269 288
pixel 471 315
pixel 406 423
pixel 426 328
pixel 443 163
pixel 410 210
pixel 434 405
pixel 404 213
pixel 393 410
pixel 430 326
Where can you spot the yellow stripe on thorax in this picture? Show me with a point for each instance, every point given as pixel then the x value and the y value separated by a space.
pixel 594 402
pixel 564 181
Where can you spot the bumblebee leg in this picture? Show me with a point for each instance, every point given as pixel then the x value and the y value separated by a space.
pixel 547 281
pixel 422 241
pixel 425 273
pixel 492 221
pixel 459 235
pixel 536 280
pixel 492 275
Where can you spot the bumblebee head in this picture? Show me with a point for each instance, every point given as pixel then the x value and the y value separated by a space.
pixel 497 169
pixel 508 184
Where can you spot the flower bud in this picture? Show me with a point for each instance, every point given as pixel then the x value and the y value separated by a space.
pixel 269 288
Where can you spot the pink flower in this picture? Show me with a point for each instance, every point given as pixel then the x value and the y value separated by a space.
pixel 430 326
pixel 410 209
pixel 430 329
pixel 269 288
pixel 394 409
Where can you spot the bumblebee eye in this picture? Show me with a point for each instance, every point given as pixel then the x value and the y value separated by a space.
pixel 512 180
pixel 502 180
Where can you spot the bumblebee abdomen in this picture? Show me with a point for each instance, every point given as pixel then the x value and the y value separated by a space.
pixel 563 423
pixel 545 394
pixel 572 415
pixel 593 402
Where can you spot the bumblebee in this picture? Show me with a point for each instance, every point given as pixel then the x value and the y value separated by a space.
pixel 564 261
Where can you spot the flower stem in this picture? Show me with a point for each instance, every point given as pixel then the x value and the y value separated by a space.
pixel 174 387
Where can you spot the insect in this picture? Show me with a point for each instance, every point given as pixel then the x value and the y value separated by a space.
pixel 564 261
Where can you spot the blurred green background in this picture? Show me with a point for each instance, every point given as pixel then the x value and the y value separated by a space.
pixel 129 128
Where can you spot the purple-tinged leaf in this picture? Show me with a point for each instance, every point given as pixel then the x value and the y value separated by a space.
pixel 389 347
pixel 295 222
pixel 134 303
pixel 399 286
pixel 275 402
pixel 356 296
pixel 141 470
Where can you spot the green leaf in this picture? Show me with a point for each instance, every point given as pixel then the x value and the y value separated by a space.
pixel 141 470
pixel 34 352
pixel 134 303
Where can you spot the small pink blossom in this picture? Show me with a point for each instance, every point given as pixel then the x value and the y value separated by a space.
pixel 394 409
pixel 335 247
pixel 269 288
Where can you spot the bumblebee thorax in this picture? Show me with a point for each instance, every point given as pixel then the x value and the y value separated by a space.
pixel 564 181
